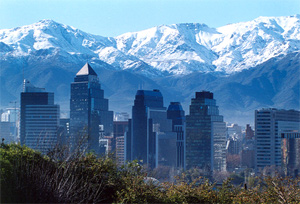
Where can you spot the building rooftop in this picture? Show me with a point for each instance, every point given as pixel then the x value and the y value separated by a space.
pixel 28 87
pixel 174 106
pixel 86 70
pixel 155 93
pixel 205 94
pixel 275 109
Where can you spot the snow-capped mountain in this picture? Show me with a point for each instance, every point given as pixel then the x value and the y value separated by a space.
pixel 247 65
pixel 48 34
pixel 177 49
pixel 185 48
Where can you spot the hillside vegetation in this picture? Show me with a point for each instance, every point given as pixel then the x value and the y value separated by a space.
pixel 29 177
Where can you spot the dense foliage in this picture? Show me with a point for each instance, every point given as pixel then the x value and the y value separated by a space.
pixel 27 176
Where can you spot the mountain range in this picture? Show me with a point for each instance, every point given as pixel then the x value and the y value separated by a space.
pixel 247 65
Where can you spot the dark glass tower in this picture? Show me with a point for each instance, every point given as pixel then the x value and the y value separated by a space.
pixel 205 134
pixel 90 118
pixel 39 118
pixel 142 136
pixel 177 115
pixel 150 139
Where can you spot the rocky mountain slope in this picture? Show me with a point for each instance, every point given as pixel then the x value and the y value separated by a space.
pixel 177 49
pixel 247 65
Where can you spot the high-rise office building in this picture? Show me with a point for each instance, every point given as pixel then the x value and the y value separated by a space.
pixel 177 115
pixel 39 118
pixel 90 119
pixel 270 124
pixel 205 134
pixel 150 139
pixel 120 127
pixel 248 149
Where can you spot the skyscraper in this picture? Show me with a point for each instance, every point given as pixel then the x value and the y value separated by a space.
pixel 248 150
pixel 271 126
pixel 120 127
pixel 205 134
pixel 150 139
pixel 177 115
pixel 90 119
pixel 39 118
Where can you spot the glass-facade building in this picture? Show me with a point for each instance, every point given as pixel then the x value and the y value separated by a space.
pixel 120 127
pixel 177 115
pixel 150 139
pixel 90 118
pixel 39 118
pixel 271 126
pixel 205 134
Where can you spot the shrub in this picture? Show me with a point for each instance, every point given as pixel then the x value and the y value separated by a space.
pixel 29 177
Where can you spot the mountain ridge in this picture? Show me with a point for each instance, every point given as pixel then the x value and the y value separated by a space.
pixel 171 58
pixel 176 49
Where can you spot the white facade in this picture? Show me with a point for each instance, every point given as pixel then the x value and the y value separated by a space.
pixel 123 116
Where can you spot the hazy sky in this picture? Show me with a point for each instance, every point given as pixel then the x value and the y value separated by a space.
pixel 114 17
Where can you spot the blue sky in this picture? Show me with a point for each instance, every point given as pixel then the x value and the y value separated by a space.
pixel 114 17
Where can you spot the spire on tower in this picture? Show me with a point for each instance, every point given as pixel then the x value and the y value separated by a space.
pixel 86 70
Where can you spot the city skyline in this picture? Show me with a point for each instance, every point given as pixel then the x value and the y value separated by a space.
pixel 247 52
pixel 144 100
pixel 157 136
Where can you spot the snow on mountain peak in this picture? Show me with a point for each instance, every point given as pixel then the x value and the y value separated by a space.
pixel 248 44
pixel 176 49
pixel 47 23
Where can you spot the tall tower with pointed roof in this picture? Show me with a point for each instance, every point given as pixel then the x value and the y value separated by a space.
pixel 90 119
